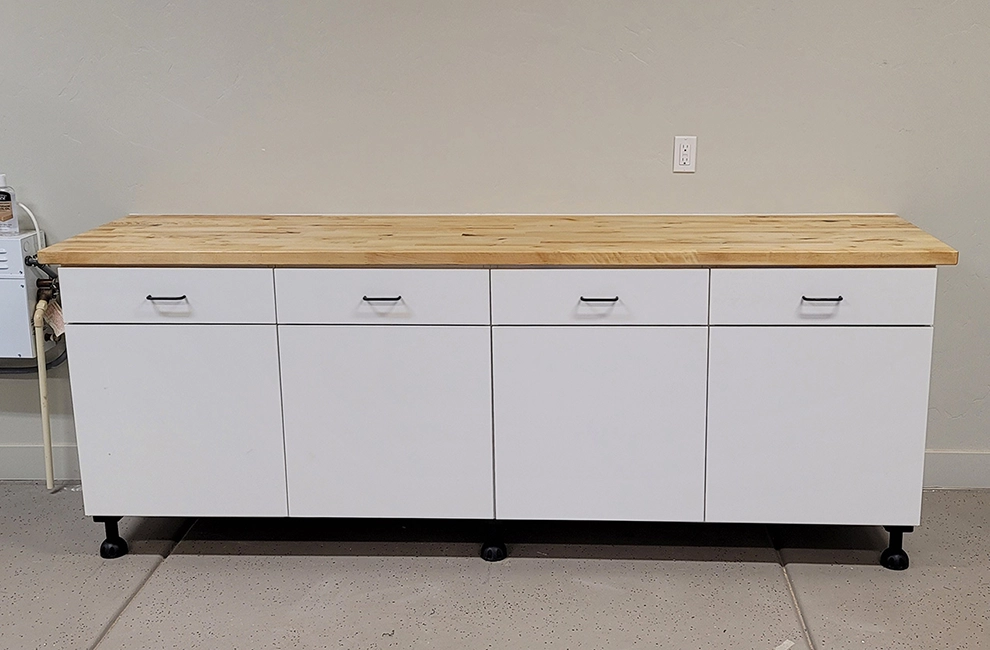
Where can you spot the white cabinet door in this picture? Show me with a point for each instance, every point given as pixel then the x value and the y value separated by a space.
pixel 600 423
pixel 387 421
pixel 178 420
pixel 817 425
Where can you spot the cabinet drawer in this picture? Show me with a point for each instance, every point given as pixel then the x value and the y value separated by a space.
pixel 387 296
pixel 168 295
pixel 600 297
pixel 894 296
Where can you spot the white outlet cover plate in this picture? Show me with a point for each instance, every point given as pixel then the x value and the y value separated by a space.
pixel 685 153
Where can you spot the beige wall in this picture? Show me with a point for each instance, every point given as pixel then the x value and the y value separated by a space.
pixel 498 106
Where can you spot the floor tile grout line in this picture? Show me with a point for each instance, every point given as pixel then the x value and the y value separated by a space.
pixel 116 616
pixel 790 590
pixel 797 607
pixel 127 602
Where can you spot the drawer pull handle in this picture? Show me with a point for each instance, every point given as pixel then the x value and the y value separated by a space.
pixel 378 299
pixel 165 298
pixel 615 299
pixel 807 299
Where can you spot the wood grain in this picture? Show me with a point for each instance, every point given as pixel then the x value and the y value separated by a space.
pixel 504 241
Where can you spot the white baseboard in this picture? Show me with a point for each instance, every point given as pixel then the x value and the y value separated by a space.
pixel 27 462
pixel 954 468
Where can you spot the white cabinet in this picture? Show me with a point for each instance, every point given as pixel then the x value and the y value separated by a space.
pixel 818 395
pixel 387 420
pixel 822 425
pixel 593 394
pixel 175 391
pixel 602 423
pixel 178 420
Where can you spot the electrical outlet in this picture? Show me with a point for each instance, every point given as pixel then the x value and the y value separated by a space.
pixel 685 152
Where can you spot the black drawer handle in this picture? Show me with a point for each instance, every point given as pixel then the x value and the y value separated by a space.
pixel 379 299
pixel 807 299
pixel 615 299
pixel 165 298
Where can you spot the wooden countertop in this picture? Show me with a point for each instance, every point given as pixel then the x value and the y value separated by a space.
pixel 503 240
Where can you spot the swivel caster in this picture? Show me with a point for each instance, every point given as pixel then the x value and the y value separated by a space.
pixel 894 557
pixel 493 552
pixel 114 545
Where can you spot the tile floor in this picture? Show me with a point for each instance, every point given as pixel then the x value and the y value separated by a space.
pixel 407 584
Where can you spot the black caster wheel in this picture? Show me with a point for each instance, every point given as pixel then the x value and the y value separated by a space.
pixel 895 560
pixel 493 552
pixel 113 548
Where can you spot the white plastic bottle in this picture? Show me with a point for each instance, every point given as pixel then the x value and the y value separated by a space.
pixel 8 218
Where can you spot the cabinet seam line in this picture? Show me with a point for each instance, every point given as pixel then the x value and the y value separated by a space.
pixel 708 379
pixel 281 396
pixel 491 370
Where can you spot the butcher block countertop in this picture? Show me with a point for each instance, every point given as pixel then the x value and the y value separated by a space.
pixel 503 241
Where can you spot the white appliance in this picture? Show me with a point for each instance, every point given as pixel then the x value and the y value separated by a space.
pixel 18 295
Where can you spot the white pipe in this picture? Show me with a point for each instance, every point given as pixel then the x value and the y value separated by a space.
pixel 46 424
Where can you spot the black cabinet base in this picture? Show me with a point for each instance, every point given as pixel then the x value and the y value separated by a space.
pixel 114 545
pixel 894 557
